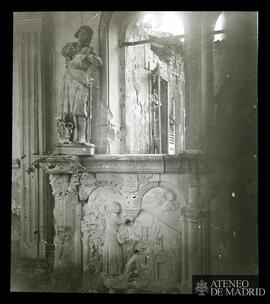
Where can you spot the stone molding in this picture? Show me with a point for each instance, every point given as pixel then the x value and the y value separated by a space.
pixel 189 161
pixel 57 163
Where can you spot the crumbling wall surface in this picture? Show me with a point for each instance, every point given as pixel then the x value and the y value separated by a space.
pixel 140 61
pixel 137 92
pixel 114 139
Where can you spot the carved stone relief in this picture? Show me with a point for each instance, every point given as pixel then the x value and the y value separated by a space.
pixel 59 183
pixel 129 244
pixel 102 234
pixel 160 235
pixel 129 230
pixel 65 190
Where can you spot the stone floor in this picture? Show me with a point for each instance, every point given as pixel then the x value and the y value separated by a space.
pixel 32 276
pixel 28 275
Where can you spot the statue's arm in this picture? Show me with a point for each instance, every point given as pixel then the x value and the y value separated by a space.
pixel 67 50
pixel 121 238
pixel 94 58
pixel 121 234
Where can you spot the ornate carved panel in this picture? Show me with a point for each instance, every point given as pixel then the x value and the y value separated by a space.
pixel 67 218
pixel 127 239
pixel 135 232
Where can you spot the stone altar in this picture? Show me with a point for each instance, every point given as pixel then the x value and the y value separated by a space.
pixel 152 235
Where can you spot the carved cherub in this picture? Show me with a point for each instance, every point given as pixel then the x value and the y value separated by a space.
pixel 170 202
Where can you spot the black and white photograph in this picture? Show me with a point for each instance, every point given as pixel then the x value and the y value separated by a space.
pixel 135 152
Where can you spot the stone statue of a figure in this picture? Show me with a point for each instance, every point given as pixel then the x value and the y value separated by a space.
pixel 76 95
pixel 113 251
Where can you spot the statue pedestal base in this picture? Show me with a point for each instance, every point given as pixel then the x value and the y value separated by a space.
pixel 75 149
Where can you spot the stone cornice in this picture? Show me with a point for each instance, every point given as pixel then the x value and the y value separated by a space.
pixel 186 162
pixel 57 163
pixel 189 161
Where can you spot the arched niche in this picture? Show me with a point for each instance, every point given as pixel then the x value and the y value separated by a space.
pixel 100 198
pixel 110 33
pixel 158 224
pixel 177 193
pixel 93 225
pixel 159 202
pixel 116 27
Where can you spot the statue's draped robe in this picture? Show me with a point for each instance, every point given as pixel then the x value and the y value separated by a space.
pixel 113 252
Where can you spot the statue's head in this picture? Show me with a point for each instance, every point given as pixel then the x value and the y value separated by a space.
pixel 115 207
pixel 169 195
pixel 84 33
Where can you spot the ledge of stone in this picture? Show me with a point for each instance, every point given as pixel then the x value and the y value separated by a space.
pixel 188 161
pixel 124 163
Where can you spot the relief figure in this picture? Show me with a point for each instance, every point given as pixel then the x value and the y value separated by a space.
pixel 113 252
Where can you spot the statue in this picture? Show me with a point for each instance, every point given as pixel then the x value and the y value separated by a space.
pixel 113 252
pixel 132 267
pixel 64 243
pixel 77 90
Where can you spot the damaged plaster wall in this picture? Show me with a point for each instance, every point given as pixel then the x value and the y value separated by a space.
pixel 140 60
pixel 137 91
pixel 115 139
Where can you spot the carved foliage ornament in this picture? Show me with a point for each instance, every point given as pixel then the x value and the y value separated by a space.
pixel 57 162
pixel 64 184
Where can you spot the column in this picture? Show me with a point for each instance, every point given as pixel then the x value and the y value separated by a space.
pixel 67 222
pixel 30 53
pixel 193 92
pixel 191 242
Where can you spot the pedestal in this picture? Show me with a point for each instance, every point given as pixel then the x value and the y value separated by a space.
pixel 67 247
pixel 76 149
